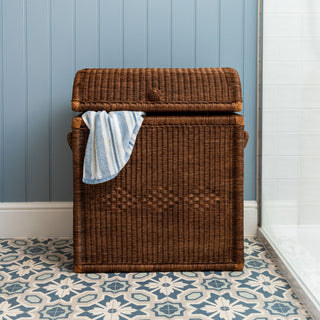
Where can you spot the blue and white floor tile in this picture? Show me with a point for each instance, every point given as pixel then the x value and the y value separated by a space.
pixel 37 282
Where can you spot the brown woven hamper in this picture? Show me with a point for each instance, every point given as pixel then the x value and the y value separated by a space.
pixel 178 203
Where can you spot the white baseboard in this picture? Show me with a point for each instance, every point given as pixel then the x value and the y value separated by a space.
pixel 250 218
pixel 35 219
pixel 54 219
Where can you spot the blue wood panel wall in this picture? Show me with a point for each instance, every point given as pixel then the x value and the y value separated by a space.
pixel 44 42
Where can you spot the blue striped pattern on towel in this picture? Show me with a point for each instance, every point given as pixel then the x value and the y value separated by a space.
pixel 110 143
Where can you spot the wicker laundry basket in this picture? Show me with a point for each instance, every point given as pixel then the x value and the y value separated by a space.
pixel 178 203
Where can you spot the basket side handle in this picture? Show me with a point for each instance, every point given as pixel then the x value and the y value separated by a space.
pixel 246 138
pixel 69 138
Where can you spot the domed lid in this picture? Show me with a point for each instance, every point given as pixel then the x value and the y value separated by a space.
pixel 157 90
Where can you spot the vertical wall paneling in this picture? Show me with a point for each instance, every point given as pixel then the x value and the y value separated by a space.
pixel 38 66
pixel 44 42
pixel 207 33
pixel 111 34
pixel 135 46
pixel 1 104
pixel 183 33
pixel 87 46
pixel 249 94
pixel 14 91
pixel 62 67
pixel 159 44
pixel 231 34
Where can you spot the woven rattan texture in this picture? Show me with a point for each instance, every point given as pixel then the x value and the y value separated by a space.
pixel 177 204
pixel 159 90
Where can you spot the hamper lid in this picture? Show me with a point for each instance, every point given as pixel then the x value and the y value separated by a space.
pixel 157 90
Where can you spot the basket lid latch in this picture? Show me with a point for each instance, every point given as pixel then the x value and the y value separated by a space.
pixel 154 94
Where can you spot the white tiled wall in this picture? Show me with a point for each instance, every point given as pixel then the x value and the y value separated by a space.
pixel 291 6
pixel 291 112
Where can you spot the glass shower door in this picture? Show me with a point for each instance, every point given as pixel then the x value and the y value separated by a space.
pixel 290 190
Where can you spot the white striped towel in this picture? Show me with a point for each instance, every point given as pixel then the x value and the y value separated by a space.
pixel 110 143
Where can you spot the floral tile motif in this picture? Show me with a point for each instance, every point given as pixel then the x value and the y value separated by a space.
pixel 111 308
pixel 25 267
pixel 37 282
pixel 164 285
pixel 63 287
pixel 264 283
pixel 224 307
pixel 11 309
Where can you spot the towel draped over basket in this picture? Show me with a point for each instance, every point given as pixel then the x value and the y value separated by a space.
pixel 110 143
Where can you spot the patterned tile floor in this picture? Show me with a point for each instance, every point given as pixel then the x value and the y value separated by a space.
pixel 37 282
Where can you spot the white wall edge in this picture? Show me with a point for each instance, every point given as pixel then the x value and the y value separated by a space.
pixel 54 219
